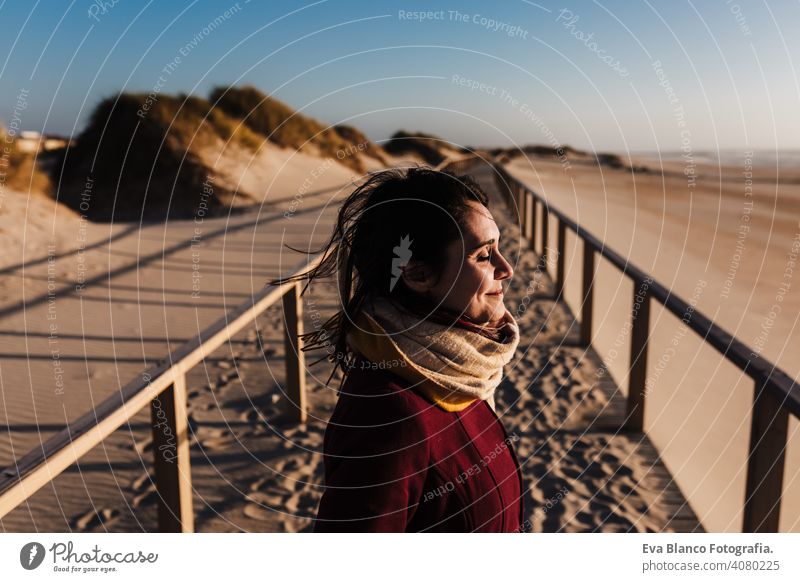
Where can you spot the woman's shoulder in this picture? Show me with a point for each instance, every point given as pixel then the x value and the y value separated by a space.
pixel 379 393
pixel 365 381
pixel 378 413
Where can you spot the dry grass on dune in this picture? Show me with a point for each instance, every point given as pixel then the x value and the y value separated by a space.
pixel 566 154
pixel 284 126
pixel 21 171
pixel 430 148
pixel 141 157
pixel 360 141
pixel 150 157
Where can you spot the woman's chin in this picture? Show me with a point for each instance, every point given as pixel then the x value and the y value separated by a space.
pixel 497 305
pixel 493 312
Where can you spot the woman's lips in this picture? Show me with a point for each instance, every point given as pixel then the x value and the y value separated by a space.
pixel 496 293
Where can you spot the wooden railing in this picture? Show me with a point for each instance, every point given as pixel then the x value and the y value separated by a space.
pixel 163 387
pixel 775 395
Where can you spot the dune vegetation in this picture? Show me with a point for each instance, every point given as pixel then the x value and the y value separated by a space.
pixel 285 127
pixel 430 148
pixel 21 171
pixel 155 156
pixel 144 153
pixel 142 159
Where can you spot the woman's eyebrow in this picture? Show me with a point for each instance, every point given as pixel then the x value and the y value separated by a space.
pixel 483 244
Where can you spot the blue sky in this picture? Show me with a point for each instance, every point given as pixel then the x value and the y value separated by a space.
pixel 608 75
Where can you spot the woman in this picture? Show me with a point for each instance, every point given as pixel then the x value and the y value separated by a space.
pixel 414 443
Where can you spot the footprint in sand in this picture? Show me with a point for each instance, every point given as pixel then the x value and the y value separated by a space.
pixel 294 525
pixel 303 504
pixel 145 488
pixel 270 497
pixel 605 498
pixel 271 484
pixel 193 393
pixel 217 443
pixel 143 482
pixel 616 469
pixel 147 498
pixel 94 519
pixel 226 378
pixel 211 432
pixel 251 416
pixel 143 446
pixel 260 513
pixel 584 518
pixel 287 466
pixel 572 473
pixel 605 517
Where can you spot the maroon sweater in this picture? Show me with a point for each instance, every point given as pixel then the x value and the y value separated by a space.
pixel 395 462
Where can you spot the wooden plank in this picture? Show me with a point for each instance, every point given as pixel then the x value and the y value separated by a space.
pixel 587 295
pixel 533 205
pixel 171 458
pixel 294 357
pixel 528 197
pixel 765 463
pixel 640 320
pixel 561 243
pixel 545 236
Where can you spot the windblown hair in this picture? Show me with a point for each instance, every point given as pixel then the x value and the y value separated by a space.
pixel 424 206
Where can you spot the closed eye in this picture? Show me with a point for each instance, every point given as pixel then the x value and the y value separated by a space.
pixel 486 257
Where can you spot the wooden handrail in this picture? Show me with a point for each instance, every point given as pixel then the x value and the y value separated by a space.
pixel 775 393
pixel 163 387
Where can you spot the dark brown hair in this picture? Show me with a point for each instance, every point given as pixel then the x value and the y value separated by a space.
pixel 426 206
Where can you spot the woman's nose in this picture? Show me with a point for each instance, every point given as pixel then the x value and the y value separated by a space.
pixel 504 267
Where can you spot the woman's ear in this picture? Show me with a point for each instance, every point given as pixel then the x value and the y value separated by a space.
pixel 417 276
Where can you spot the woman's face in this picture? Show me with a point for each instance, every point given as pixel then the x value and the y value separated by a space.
pixel 471 282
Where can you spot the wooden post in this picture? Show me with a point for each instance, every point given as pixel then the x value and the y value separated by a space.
pixel 504 184
pixel 533 205
pixel 765 462
pixel 520 206
pixel 638 365
pixel 171 453
pixel 528 218
pixel 587 294
pixel 294 357
pixel 561 244
pixel 545 236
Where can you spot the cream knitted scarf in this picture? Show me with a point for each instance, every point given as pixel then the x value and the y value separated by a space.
pixel 450 365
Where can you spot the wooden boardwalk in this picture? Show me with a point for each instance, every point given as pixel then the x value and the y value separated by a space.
pixel 252 469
